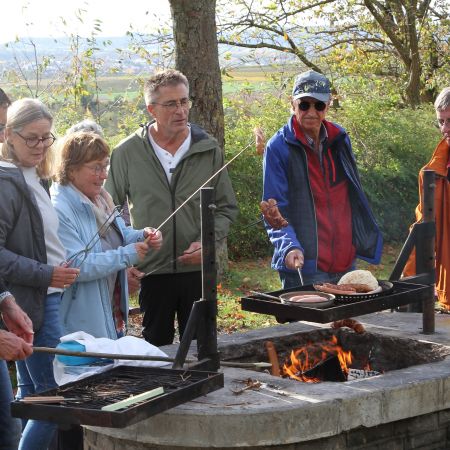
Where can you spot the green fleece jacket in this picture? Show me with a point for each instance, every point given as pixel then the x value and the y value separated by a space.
pixel 137 174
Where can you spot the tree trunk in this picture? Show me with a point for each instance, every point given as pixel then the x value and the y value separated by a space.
pixel 196 55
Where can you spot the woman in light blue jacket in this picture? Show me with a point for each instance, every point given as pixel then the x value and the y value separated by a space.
pixel 96 240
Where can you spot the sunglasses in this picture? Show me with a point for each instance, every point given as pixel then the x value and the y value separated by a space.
pixel 304 105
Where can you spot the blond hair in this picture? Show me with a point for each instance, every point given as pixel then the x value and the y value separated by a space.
pixel 77 149
pixel 20 114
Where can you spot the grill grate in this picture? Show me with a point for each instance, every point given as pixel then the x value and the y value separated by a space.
pixel 401 294
pixel 86 397
pixel 94 394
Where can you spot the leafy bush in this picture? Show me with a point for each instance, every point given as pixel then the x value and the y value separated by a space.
pixel 243 113
pixel 391 145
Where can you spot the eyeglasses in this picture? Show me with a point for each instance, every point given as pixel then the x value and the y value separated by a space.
pixel 173 105
pixel 441 123
pixel 98 169
pixel 304 105
pixel 33 142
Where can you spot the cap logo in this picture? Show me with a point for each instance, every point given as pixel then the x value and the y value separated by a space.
pixel 313 86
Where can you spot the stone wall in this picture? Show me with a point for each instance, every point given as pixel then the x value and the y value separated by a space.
pixel 426 432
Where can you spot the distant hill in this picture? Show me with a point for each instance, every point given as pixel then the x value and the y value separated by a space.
pixel 58 49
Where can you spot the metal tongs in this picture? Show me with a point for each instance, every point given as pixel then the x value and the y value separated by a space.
pixel 117 211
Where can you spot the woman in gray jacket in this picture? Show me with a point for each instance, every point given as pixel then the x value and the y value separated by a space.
pixel 31 254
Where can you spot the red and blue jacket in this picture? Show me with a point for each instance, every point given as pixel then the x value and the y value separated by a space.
pixel 329 216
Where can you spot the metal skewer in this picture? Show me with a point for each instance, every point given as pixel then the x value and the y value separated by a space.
pixel 299 271
pixel 202 186
pixel 58 351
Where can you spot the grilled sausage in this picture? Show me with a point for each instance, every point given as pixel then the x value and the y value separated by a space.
pixel 307 298
pixel 334 289
pixel 350 323
pixel 359 288
pixel 272 214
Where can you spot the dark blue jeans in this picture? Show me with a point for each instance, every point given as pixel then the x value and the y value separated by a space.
pixel 291 279
pixel 10 428
pixel 35 374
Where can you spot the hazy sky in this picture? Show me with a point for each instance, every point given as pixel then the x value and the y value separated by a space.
pixel 42 18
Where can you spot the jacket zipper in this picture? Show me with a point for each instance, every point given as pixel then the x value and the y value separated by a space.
pixel 314 205
pixel 327 187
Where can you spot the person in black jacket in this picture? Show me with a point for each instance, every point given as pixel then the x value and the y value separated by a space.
pixel 32 259
pixel 14 344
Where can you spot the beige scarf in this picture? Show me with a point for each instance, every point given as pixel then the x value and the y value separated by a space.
pixel 102 206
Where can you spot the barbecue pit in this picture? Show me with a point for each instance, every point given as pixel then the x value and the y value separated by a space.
pixel 404 405
pixel 277 412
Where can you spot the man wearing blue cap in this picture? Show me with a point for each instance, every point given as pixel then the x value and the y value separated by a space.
pixel 310 170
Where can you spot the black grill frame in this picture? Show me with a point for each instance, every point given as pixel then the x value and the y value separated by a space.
pixel 402 294
pixel 186 385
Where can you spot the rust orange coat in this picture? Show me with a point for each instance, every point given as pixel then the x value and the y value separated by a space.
pixel 438 163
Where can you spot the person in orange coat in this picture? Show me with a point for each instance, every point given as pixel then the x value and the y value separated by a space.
pixel 440 163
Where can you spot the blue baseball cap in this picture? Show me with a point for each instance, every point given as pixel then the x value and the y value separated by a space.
pixel 312 84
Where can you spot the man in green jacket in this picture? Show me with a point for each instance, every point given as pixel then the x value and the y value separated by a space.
pixel 157 168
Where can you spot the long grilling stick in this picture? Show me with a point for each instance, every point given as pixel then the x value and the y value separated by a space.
pixel 59 351
pixel 202 186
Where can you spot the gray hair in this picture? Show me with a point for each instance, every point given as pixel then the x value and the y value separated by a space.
pixel 168 77
pixel 25 111
pixel 20 114
pixel 443 100
pixel 86 125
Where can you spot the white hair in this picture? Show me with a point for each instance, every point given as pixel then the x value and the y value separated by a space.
pixel 86 125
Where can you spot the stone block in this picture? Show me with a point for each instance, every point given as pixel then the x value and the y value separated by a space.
pixel 428 440
pixel 444 417
pixel 420 424
pixel 414 398
pixel 365 435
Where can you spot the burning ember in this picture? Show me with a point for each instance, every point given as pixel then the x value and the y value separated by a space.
pixel 319 361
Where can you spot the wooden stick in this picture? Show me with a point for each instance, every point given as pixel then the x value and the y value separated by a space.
pixel 273 358
pixel 44 399
pixel 134 399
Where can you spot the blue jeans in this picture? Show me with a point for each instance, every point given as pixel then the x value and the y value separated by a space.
pixel 35 374
pixel 291 279
pixel 9 427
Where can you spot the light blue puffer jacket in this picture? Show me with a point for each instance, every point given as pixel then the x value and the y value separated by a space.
pixel 86 305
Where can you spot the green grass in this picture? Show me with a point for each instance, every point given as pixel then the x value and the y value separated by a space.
pixel 242 277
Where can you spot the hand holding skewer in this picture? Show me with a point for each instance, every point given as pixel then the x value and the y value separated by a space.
pixel 294 259
pixel 191 255
pixel 63 277
pixel 153 237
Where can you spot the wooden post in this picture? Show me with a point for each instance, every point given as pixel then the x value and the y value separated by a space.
pixel 425 249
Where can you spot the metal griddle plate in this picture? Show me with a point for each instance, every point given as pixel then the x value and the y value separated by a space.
pixel 401 294
pixel 88 395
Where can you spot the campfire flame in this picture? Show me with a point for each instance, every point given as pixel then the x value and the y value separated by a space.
pixel 309 356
